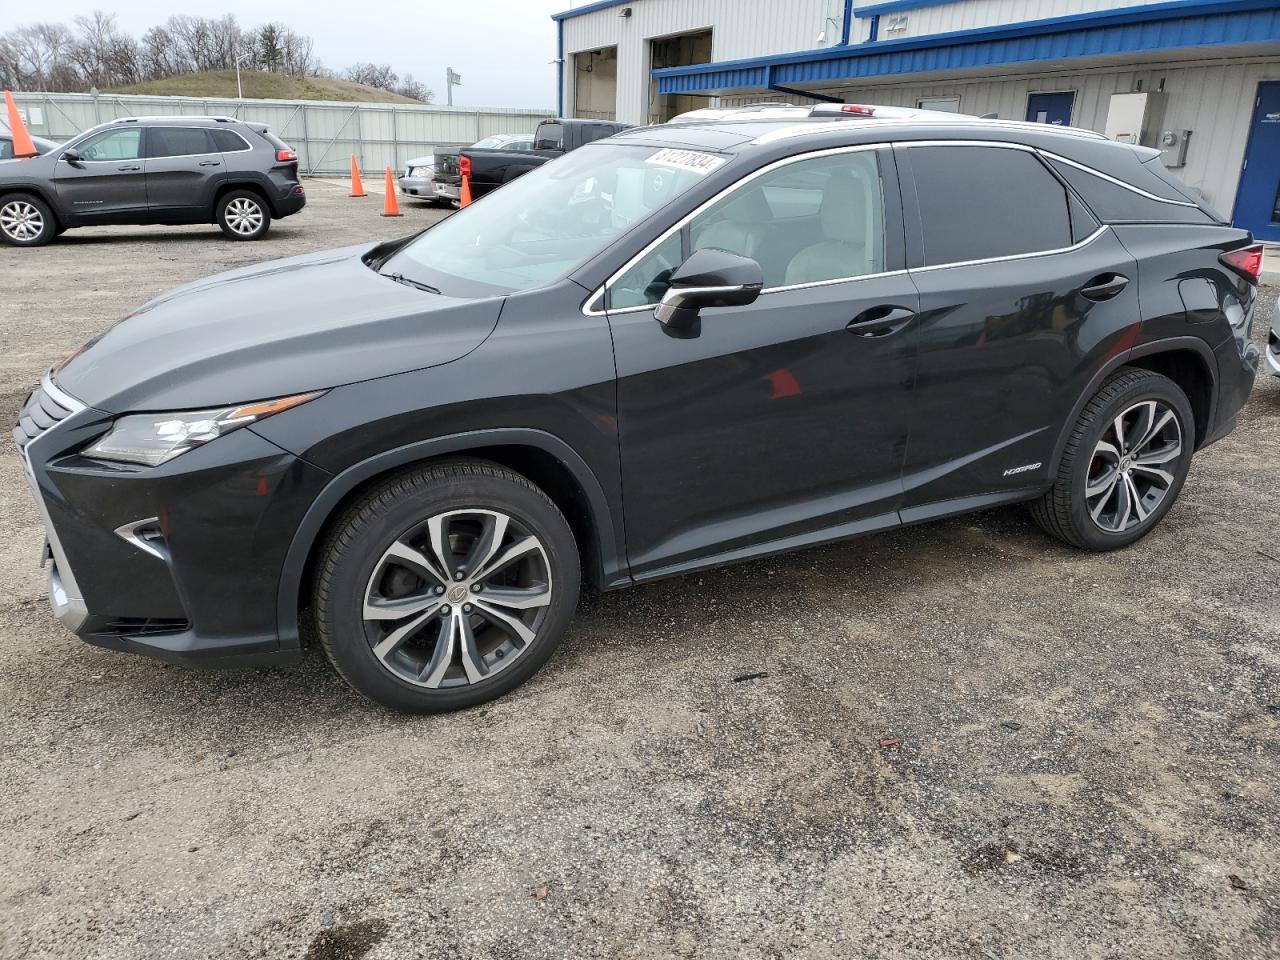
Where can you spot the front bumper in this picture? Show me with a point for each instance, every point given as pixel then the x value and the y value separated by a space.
pixel 417 187
pixel 1273 345
pixel 181 561
pixel 448 191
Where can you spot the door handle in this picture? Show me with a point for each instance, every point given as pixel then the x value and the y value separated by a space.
pixel 1104 287
pixel 134 167
pixel 210 163
pixel 880 321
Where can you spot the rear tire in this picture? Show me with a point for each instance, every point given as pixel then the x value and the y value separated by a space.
pixel 446 586
pixel 243 215
pixel 26 221
pixel 1124 464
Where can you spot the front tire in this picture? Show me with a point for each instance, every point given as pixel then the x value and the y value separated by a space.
pixel 26 221
pixel 446 586
pixel 1124 463
pixel 243 215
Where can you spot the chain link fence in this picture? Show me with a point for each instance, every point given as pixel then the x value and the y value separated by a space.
pixel 325 134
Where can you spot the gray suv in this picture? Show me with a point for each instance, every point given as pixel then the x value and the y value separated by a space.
pixel 144 170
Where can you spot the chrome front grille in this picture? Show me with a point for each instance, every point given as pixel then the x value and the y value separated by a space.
pixel 45 407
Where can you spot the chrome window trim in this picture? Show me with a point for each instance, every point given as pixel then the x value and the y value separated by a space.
pixel 591 312
pixel 1119 183
pixel 1014 256
pixel 591 307
pixel 999 144
pixel 805 127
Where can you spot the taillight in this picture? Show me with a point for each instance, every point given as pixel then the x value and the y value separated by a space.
pixel 1247 261
pixel 464 166
pixel 286 156
pixel 858 109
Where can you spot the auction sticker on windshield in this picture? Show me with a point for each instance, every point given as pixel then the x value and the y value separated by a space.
pixel 691 160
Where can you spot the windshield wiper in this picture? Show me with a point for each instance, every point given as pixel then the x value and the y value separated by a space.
pixel 401 278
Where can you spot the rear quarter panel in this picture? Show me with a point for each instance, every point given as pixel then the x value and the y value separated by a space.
pixel 1185 292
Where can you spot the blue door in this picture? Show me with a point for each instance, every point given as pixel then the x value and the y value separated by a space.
pixel 1258 199
pixel 1052 108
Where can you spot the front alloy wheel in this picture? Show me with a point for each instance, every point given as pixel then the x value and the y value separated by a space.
pixel 25 221
pixel 445 586
pixel 457 599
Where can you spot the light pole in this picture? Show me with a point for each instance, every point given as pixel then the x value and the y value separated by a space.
pixel 451 80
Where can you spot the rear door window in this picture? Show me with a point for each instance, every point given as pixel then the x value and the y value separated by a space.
pixel 228 142
pixel 979 202
pixel 178 142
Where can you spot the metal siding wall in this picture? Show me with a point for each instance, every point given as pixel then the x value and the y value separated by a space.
pixel 968 14
pixel 1214 99
pixel 741 28
pixel 324 134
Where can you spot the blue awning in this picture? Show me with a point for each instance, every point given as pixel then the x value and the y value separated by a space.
pixel 1176 25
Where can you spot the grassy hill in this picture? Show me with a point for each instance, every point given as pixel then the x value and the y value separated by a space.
pixel 261 86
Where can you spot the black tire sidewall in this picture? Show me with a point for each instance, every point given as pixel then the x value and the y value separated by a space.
pixel 50 230
pixel 1154 387
pixel 338 609
pixel 220 215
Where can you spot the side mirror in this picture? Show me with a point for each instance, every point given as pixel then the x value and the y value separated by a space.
pixel 70 156
pixel 709 278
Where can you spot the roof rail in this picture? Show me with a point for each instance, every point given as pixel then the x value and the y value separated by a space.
pixel 178 117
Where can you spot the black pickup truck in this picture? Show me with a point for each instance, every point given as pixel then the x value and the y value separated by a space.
pixel 491 168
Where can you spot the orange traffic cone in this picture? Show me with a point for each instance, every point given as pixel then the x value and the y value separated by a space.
pixel 22 144
pixel 391 206
pixel 465 198
pixel 357 185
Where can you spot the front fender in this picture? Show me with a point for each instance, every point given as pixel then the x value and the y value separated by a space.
pixel 611 564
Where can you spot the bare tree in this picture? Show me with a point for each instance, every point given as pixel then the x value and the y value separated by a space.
pixel 378 75
pixel 414 89
pixel 95 52
pixel 102 54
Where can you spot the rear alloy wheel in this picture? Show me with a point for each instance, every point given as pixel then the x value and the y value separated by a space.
pixel 243 215
pixel 446 586
pixel 25 221
pixel 1130 473
pixel 1124 463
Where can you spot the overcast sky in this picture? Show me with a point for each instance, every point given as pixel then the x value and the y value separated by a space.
pixel 501 47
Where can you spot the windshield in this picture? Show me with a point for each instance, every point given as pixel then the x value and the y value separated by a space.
pixel 489 143
pixel 550 221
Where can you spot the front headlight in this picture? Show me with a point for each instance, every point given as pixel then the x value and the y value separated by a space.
pixel 154 438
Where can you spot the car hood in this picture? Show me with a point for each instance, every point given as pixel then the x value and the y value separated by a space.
pixel 428 161
pixel 272 330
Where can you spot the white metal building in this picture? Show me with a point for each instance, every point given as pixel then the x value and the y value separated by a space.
pixel 1198 78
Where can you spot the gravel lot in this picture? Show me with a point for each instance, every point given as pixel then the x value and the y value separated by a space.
pixel 1088 765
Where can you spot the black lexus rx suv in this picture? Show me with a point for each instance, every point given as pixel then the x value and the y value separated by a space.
pixel 683 346
pixel 147 170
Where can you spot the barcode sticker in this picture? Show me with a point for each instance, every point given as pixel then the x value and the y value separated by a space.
pixel 691 160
